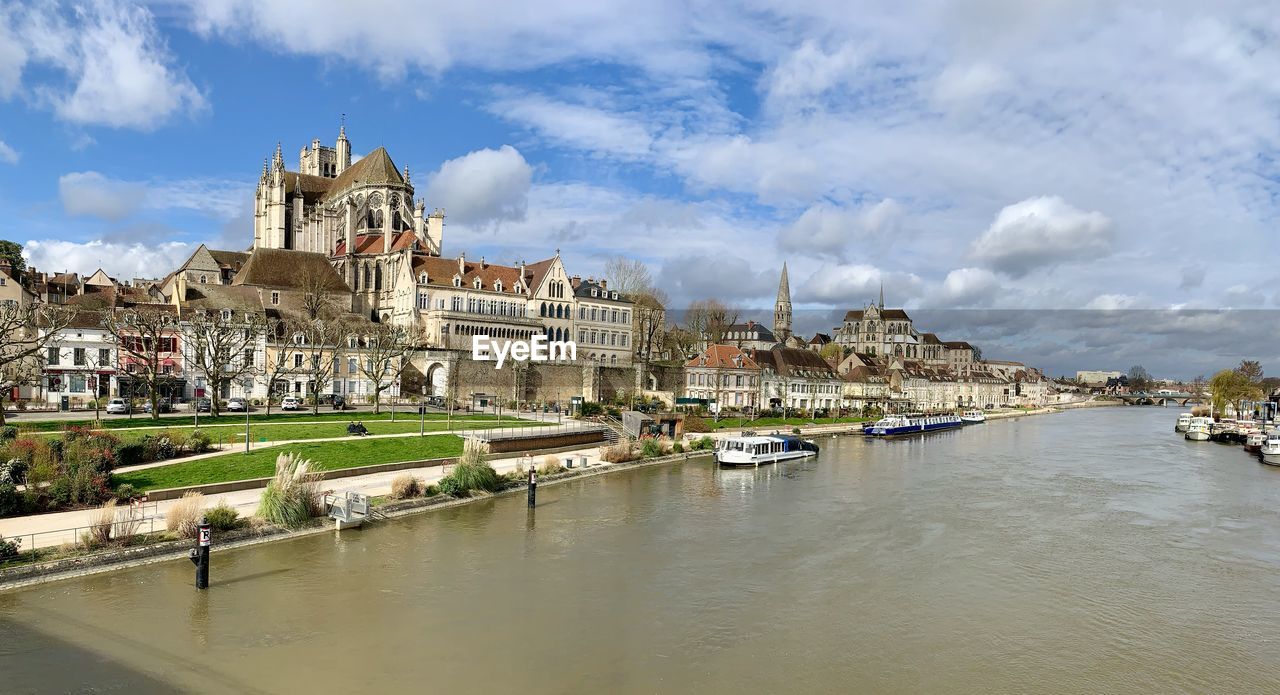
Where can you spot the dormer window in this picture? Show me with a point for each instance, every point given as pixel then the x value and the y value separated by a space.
pixel 204 279
pixel 457 281
pixel 477 284
pixel 275 299
pixel 422 278
pixel 593 291
pixel 226 314
pixel 497 286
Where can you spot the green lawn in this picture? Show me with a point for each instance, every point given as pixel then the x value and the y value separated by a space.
pixel 143 420
pixel 285 431
pixel 262 462
pixel 734 423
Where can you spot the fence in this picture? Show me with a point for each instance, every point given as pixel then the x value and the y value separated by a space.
pixel 492 434
pixel 137 519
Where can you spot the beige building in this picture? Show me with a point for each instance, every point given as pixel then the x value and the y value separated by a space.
pixel 725 375
pixel 602 322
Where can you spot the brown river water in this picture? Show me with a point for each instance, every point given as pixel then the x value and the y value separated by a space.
pixel 1091 551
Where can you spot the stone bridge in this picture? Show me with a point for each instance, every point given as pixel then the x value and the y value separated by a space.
pixel 1161 398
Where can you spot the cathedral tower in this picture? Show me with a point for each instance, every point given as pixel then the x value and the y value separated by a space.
pixel 782 308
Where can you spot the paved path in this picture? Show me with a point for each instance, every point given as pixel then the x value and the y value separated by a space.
pixel 58 528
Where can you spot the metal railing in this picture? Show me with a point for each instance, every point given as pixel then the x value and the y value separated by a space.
pixel 490 434
pixel 139 519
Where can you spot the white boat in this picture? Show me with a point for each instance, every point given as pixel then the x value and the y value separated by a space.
pixel 899 425
pixel 1198 429
pixel 1271 449
pixel 757 450
pixel 973 417
pixel 1254 440
pixel 1184 421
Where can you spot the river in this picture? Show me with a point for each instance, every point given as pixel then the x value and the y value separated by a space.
pixel 1084 552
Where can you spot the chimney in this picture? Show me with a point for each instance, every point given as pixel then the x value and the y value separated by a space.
pixel 482 265
pixel 462 263
pixel 604 284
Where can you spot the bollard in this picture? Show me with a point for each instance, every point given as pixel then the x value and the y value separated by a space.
pixel 200 554
pixel 533 486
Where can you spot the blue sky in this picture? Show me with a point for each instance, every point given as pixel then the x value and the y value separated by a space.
pixel 1074 160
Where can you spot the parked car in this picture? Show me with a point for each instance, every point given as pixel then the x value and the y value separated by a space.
pixel 117 406
pixel 201 405
pixel 290 403
pixel 437 401
pixel 339 402
pixel 237 404
pixel 165 406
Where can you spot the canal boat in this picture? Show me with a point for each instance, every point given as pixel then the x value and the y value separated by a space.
pixel 1271 449
pixel 1254 440
pixel 973 417
pixel 1184 421
pixel 902 425
pixel 1197 430
pixel 757 450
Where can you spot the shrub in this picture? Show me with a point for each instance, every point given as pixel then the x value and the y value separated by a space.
pixel 13 471
pixel 550 465
pixel 130 454
pixel 179 440
pixel 702 443
pixel 650 448
pixel 694 424
pixel 618 453
pixel 10 501
pixel 8 432
pixel 472 472
pixel 222 517
pixel 199 442
pixel 431 491
pixel 293 495
pixel 126 492
pixel 9 548
pixel 677 448
pixel 405 486
pixel 795 430
pixel 590 409
pixel 183 517
pixel 109 525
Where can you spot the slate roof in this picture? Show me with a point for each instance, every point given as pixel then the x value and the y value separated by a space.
pixel 373 168
pixel 794 362
pixel 723 357
pixel 288 269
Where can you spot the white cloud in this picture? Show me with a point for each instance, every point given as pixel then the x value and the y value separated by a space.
pixel 120 69
pixel 856 284
pixel 1112 302
pixel 809 72
pixel 958 83
pixel 482 187
pixel 580 126
pixel 92 194
pixel 826 229
pixel 967 287
pixel 8 154
pixel 1041 232
pixel 120 260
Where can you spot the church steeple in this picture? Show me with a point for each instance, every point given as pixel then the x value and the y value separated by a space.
pixel 343 148
pixel 782 308
pixel 881 296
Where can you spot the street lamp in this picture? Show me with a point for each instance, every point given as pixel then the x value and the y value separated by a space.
pixel 248 385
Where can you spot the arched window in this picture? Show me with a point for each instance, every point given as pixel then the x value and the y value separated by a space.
pixel 365 284
pixel 377 276
pixel 542 311
pixel 477 284
pixel 497 286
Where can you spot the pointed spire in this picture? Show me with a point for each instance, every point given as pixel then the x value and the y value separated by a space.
pixel 406 173
pixel 882 295
pixel 784 286
pixel 342 129
pixel 278 162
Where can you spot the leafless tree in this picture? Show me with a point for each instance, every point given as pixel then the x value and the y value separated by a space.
pixel 320 342
pixel 277 362
pixel 628 276
pixel 216 345
pixel 385 351
pixel 648 322
pixel 25 332
pixel 147 336
pixel 709 320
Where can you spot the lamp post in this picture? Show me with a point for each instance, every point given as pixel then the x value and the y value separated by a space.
pixel 248 385
pixel 422 413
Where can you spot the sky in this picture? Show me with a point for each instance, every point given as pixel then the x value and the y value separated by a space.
pixel 1075 184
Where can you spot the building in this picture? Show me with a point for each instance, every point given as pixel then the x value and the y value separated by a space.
pixel 602 324
pixel 875 330
pixel 797 378
pixel 80 362
pixel 782 308
pixel 724 375
pixel 750 336
pixel 1096 378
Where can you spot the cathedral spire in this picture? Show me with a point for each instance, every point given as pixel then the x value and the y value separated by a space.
pixel 782 308
pixel 882 295
pixel 406 173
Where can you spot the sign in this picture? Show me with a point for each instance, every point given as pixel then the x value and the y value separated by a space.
pixel 205 535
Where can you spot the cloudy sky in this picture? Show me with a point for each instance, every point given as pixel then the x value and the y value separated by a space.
pixel 1079 184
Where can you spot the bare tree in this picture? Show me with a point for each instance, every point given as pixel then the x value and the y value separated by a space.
pixel 25 332
pixel 276 358
pixel 147 336
pixel 319 341
pixel 628 275
pixel 216 346
pixel 385 354
pixel 1251 370
pixel 648 322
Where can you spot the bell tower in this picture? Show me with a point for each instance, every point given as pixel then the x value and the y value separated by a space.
pixel 782 308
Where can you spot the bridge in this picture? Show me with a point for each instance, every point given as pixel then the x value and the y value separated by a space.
pixel 1181 399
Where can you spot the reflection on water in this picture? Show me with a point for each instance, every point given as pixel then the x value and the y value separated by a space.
pixel 1092 551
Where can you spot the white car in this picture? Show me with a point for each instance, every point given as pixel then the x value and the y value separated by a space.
pixel 236 404
pixel 290 403
pixel 117 406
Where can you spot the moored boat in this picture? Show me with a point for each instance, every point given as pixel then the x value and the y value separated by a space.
pixel 1184 421
pixel 973 417
pixel 1254 440
pixel 900 425
pixel 1198 429
pixel 1271 449
pixel 757 450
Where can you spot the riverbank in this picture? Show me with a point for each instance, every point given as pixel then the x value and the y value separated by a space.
pixel 164 551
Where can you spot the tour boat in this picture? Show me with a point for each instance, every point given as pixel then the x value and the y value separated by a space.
pixel 1198 429
pixel 1271 449
pixel 973 417
pixel 1254 440
pixel 755 450
pixel 898 425
pixel 1184 420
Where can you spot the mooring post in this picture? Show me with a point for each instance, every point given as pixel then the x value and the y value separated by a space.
pixel 200 554
pixel 533 484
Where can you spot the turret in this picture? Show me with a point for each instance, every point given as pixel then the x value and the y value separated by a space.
pixel 344 149
pixel 435 232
